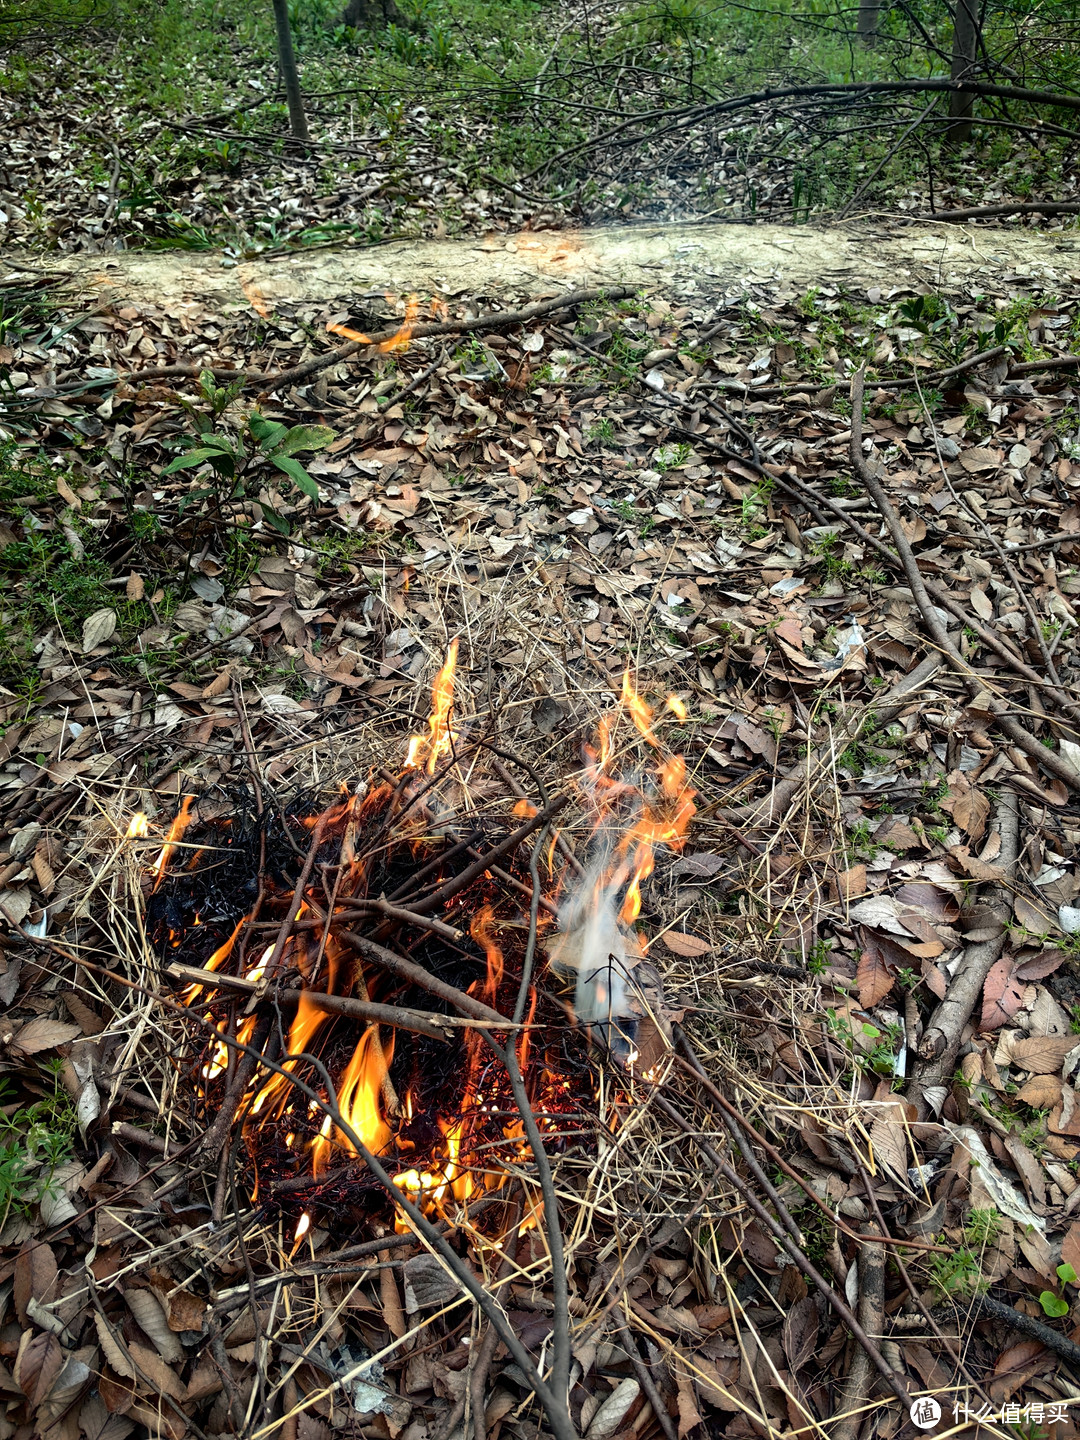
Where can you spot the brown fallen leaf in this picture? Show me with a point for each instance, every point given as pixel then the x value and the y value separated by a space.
pixel 135 588
pixel 35 1277
pixel 1041 1092
pixel 873 977
pixel 1043 1054
pixel 1038 919
pixel 1003 994
pixel 37 1364
pixel 850 883
pixel 970 865
pixel 688 946
pixel 43 1034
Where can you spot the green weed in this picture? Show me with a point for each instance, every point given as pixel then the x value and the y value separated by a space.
pixel 35 1141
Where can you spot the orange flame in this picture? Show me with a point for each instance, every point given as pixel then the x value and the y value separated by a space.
pixel 665 820
pixel 481 931
pixel 219 1061
pixel 358 1100
pixel 138 827
pixel 217 959
pixel 400 339
pixel 638 711
pixel 425 750
pixel 305 1024
pixel 176 829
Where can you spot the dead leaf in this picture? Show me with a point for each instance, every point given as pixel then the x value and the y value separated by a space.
pixel 1043 1054
pixel 1016 1366
pixel 801 1325
pixel 1033 917
pixel 1039 966
pixel 150 1314
pixel 1041 1092
pixel 968 806
pixel 43 1034
pixel 136 586
pixel 35 1277
pixel 981 603
pixel 37 1365
pixel 1070 1247
pixel 113 1351
pixel 688 946
pixel 87 1020
pixel 153 1373
pixel 889 1139
pixel 874 978
pixel 978 460
pixel 689 1418
pixel 1003 995
pixel 186 1311
pixel 218 685
pixel 851 883
pixel 971 865
pixel 97 628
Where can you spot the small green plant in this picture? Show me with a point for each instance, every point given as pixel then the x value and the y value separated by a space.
pixel 957 1273
pixel 670 457
pixel 754 501
pixel 983 1228
pixel 826 552
pixel 879 1056
pixel 603 429
pixel 1054 1302
pixel 817 961
pixel 35 1140
pixel 237 470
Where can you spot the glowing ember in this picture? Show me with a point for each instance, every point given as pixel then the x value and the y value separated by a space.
pixel 138 826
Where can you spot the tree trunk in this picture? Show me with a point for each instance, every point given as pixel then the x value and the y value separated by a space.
pixel 964 54
pixel 869 15
pixel 289 74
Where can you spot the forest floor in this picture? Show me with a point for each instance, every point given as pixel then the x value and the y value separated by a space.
pixel 863 915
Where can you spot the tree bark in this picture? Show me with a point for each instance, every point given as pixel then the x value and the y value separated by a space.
pixel 964 53
pixel 869 17
pixel 290 76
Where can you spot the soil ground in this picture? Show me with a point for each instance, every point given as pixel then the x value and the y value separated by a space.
pixel 678 258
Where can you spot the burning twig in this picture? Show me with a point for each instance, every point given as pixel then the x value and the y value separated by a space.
pixel 423 1022
pixel 505 847
pixel 272 963
pixel 417 975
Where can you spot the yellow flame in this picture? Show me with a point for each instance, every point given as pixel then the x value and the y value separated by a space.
pixel 219 1061
pixel 176 829
pixel 302 1031
pixel 425 750
pixel 481 930
pixel 358 1100
pixel 138 826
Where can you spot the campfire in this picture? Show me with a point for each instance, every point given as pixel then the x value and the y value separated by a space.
pixel 383 941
